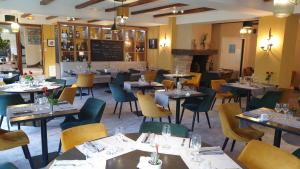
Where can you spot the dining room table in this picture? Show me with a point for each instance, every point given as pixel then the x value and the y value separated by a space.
pixel 142 86
pixel 252 89
pixel 40 112
pixel 29 87
pixel 280 122
pixel 162 97
pixel 178 76
pixel 134 149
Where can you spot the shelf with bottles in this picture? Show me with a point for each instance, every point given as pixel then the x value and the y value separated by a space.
pixel 67 38
pixel 82 56
pixel 68 57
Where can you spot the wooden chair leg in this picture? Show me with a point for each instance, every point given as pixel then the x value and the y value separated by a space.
pixel 194 118
pixel 169 118
pixel 120 110
pixel 59 146
pixel 116 107
pixel 136 107
pixel 169 107
pixel 213 103
pixel 92 92
pixel 198 119
pixel 183 109
pixel 207 118
pixel 229 100
pixel 232 146
pixel 144 118
pixel 130 106
pixel 28 156
pixel 225 143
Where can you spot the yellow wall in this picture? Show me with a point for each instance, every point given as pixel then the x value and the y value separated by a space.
pixel 48 32
pixel 280 59
pixel 152 54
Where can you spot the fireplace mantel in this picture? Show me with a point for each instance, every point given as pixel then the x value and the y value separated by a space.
pixel 192 52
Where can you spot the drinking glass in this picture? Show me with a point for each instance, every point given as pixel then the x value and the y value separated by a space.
pixel 195 145
pixel 119 138
pixel 278 107
pixel 166 133
pixel 285 109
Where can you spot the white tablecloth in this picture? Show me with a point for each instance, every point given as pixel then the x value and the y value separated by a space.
pixel 20 87
pixel 162 96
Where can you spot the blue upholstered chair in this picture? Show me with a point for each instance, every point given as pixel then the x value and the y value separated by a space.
pixel 8 166
pixel 207 77
pixel 160 75
pixel 156 127
pixel 269 100
pixel 198 105
pixel 7 99
pixel 297 153
pixel 121 95
pixel 91 112
pixel 121 78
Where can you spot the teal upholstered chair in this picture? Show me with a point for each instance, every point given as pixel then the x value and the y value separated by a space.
pixel 12 79
pixel 207 77
pixel 121 95
pixel 156 127
pixel 7 99
pixel 160 75
pixel 297 153
pixel 121 78
pixel 269 100
pixel 91 112
pixel 8 166
pixel 198 105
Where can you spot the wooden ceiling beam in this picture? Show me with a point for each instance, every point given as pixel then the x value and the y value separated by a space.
pixel 93 20
pixel 132 4
pixel 45 2
pixel 157 8
pixel 51 17
pixel 189 11
pixel 87 3
pixel 25 15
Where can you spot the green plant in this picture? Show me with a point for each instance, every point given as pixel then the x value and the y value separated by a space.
pixel 51 96
pixel 203 39
pixel 4 44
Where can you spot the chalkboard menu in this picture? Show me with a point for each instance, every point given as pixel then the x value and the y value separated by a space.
pixel 107 50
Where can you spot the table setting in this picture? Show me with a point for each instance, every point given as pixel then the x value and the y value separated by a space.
pixel 155 147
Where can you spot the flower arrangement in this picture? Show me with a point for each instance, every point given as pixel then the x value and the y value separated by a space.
pixel 28 77
pixel 203 39
pixel 269 76
pixel 89 66
pixel 51 96
pixel 155 157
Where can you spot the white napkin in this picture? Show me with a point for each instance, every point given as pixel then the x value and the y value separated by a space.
pixel 98 163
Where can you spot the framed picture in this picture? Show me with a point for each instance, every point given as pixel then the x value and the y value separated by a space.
pixel 51 42
pixel 152 43
pixel 231 48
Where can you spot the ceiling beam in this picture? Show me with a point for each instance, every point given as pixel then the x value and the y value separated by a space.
pixel 132 4
pixel 51 17
pixel 189 11
pixel 157 8
pixel 25 15
pixel 45 2
pixel 93 20
pixel 87 3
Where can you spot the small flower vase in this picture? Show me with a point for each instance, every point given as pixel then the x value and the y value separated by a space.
pixel 155 166
pixel 51 108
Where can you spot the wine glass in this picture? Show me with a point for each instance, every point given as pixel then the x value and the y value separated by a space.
pixel 195 145
pixel 166 133
pixel 278 107
pixel 119 137
pixel 285 109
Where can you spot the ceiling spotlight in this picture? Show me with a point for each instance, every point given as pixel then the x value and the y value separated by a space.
pixel 71 18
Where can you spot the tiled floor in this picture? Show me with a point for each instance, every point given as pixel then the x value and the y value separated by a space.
pixel 131 124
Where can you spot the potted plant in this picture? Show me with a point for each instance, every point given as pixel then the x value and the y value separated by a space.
pixel 51 96
pixel 4 44
pixel 155 162
pixel 203 39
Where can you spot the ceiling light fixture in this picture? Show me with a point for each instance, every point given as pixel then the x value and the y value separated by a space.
pixel 114 27
pixel 175 10
pixel 122 12
pixel 284 8
pixel 246 29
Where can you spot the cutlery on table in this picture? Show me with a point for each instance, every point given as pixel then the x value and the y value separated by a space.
pixel 182 144
pixel 94 146
pixel 146 138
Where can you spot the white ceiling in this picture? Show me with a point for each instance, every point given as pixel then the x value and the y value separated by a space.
pixel 227 10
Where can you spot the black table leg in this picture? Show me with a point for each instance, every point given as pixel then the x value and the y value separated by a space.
pixel 248 98
pixel 177 111
pixel 277 137
pixel 31 98
pixel 44 142
pixel 177 80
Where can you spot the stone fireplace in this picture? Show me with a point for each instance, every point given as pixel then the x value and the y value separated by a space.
pixel 187 60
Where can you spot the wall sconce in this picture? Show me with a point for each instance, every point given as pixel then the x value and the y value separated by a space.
pixel 268 43
pixel 163 42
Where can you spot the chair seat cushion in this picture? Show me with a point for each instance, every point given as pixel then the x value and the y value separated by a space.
pixel 14 139
pixel 156 127
pixel 8 166
pixel 249 133
pixel 71 124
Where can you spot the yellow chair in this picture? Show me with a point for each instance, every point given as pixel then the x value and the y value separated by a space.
pixel 216 86
pixel 259 155
pixel 230 126
pixel 85 81
pixel 150 109
pixel 194 82
pixel 68 94
pixel 168 84
pixel 78 135
pixel 13 139
pixel 150 76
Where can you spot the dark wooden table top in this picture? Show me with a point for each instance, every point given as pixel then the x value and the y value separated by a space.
pixel 145 85
pixel 271 124
pixel 129 160
pixel 34 117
